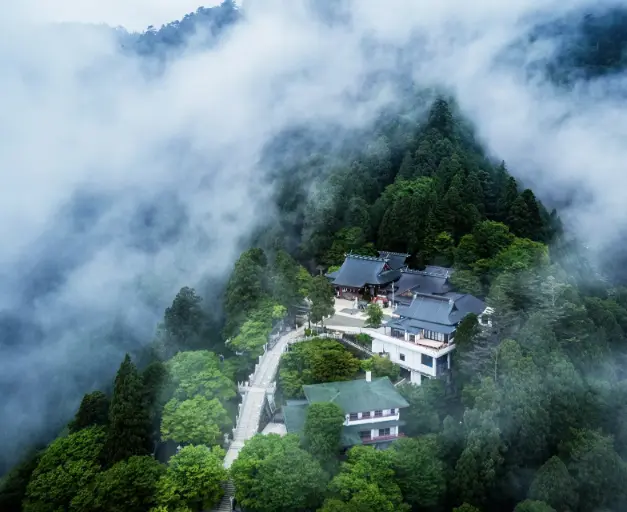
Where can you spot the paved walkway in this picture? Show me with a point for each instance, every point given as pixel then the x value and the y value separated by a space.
pixel 252 405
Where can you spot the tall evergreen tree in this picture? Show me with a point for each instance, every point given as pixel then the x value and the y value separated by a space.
pixel 536 223
pixel 519 218
pixel 407 169
pixel 554 485
pixel 129 418
pixel 507 195
pixel 94 410
pixel 441 118
pixel 184 321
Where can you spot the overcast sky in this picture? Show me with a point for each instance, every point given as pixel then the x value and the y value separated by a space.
pixel 135 15
pixel 76 115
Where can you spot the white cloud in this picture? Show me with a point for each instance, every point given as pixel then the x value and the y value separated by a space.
pixel 135 15
pixel 76 114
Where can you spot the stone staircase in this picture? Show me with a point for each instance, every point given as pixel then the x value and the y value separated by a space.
pixel 254 398
pixel 225 503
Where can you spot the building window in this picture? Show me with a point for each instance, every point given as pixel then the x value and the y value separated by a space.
pixel 384 432
pixel 378 414
pixel 365 434
pixel 353 416
pixel 365 414
pixel 441 364
pixel 426 360
pixel 432 335
pixel 401 357
pixel 392 411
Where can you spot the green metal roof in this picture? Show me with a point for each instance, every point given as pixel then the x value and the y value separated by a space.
pixel 357 395
pixel 294 417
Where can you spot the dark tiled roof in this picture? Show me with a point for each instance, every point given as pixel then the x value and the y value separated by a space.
pixel 438 271
pixel 446 310
pixel 417 326
pixel 358 271
pixel 396 260
pixel 423 282
pixel 332 275
pixel 357 395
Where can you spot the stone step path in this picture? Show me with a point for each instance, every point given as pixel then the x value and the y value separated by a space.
pixel 252 406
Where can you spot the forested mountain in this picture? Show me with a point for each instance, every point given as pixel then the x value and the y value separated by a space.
pixel 201 29
pixel 587 44
pixel 535 420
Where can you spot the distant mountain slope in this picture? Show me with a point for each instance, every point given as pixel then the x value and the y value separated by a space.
pixel 202 28
pixel 586 44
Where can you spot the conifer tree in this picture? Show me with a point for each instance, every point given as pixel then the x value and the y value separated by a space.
pixel 507 196
pixel 519 218
pixel 407 169
pixel 129 419
pixel 536 223
pixel 94 410
pixel 554 485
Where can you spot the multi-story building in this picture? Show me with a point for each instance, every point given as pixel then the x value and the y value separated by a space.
pixel 371 407
pixel 421 335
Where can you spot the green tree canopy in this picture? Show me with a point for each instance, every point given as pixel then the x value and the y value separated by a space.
pixel 481 462
pixel 13 484
pixel 246 288
pixel 199 373
pixel 466 508
pixel 374 316
pixel 596 468
pixel 322 299
pixel 94 410
pixel 315 362
pixel 129 431
pixel 185 321
pixel 273 473
pixel 366 482
pixel 68 465
pixel 196 420
pixel 127 486
pixel 323 431
pixel 420 472
pixel 533 506
pixel 382 367
pixel 193 479
pixel 425 407
pixel 554 486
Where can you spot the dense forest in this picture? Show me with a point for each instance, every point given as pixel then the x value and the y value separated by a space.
pixel 535 420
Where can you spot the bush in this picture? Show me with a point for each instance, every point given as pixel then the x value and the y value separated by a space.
pixel 364 340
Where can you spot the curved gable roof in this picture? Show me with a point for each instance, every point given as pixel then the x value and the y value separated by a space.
pixel 448 309
pixel 358 271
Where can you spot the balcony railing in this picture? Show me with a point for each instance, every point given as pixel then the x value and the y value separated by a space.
pixel 373 417
pixel 378 439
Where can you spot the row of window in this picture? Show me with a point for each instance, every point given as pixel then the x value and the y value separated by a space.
pixel 367 434
pixel 365 415
pixel 433 335
pixel 424 359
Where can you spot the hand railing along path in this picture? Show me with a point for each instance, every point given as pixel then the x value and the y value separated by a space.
pixel 261 381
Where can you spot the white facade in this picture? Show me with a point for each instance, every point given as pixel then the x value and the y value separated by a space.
pixel 414 357
pixel 366 417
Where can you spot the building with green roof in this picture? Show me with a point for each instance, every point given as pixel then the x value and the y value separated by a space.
pixel 371 407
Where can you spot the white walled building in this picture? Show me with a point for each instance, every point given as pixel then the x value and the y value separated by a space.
pixel 422 333
pixel 371 406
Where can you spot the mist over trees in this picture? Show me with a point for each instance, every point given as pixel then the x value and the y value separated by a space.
pixel 533 419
